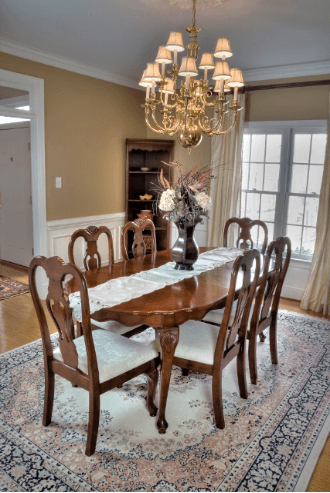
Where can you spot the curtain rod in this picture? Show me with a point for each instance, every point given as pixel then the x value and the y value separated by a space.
pixel 287 85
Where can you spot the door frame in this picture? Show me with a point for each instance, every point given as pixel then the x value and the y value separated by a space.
pixel 35 86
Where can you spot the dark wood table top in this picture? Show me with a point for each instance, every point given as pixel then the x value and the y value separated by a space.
pixel 173 305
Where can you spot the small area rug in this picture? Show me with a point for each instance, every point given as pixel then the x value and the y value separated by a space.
pixel 271 441
pixel 9 288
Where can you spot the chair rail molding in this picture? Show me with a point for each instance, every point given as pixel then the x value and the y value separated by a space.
pixel 60 231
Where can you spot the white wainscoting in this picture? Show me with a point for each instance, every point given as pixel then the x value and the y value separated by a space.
pixel 59 233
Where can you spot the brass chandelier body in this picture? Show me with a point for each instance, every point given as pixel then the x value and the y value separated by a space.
pixel 181 107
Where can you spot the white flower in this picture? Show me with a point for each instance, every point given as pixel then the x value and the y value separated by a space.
pixel 166 202
pixel 203 200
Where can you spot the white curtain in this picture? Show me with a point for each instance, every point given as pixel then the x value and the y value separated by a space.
pixel 317 293
pixel 226 162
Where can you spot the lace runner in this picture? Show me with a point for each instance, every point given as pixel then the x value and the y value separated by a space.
pixel 124 289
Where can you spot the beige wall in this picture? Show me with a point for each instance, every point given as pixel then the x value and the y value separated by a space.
pixel 86 123
pixel 200 155
pixel 300 103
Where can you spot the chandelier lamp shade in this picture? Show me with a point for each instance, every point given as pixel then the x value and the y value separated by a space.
pixel 177 99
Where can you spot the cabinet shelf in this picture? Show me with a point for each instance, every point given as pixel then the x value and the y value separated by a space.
pixel 151 154
pixel 145 172
pixel 139 200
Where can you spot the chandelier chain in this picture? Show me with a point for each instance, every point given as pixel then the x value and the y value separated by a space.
pixel 194 13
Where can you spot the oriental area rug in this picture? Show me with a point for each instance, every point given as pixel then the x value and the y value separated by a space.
pixel 9 287
pixel 271 441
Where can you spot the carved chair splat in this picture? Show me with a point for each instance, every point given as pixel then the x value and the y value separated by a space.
pixel 267 301
pixel 246 224
pixel 228 340
pixel 84 360
pixel 139 247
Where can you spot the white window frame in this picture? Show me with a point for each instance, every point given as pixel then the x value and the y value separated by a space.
pixel 286 128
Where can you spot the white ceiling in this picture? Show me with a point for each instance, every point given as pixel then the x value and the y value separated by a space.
pixel 123 35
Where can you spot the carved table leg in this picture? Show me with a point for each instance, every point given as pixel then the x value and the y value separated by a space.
pixel 168 339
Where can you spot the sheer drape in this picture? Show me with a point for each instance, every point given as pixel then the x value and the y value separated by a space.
pixel 226 162
pixel 317 293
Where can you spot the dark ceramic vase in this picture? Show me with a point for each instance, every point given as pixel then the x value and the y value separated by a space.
pixel 185 249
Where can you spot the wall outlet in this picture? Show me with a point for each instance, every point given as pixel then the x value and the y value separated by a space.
pixel 58 182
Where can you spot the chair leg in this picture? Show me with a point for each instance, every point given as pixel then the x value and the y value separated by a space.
pixel 273 341
pixel 253 357
pixel 217 400
pixel 262 337
pixel 93 422
pixel 241 372
pixel 185 372
pixel 152 385
pixel 49 397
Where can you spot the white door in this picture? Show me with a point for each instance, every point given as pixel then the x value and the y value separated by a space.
pixel 16 239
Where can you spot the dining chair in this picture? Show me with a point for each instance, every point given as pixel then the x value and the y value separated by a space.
pixel 244 240
pixel 208 349
pixel 265 308
pixel 92 257
pixel 245 224
pixel 92 260
pixel 97 361
pixel 141 243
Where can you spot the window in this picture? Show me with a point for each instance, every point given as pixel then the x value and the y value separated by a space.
pixel 281 179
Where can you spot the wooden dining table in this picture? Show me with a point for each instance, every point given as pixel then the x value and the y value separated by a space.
pixel 164 309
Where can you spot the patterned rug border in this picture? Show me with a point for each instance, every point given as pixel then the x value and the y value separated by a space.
pixel 20 286
pixel 303 474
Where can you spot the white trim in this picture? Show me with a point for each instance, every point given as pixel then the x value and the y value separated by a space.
pixel 284 124
pixel 255 74
pixel 81 222
pixel 37 130
pixel 287 71
pixel 41 56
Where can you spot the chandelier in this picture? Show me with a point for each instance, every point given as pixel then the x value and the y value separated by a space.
pixel 180 108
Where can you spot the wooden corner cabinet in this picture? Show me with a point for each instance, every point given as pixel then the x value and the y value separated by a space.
pixel 143 164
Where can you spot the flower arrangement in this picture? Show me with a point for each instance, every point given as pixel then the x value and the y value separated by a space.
pixel 186 201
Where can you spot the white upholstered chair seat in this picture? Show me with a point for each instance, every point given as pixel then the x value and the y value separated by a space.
pixel 115 354
pixel 197 342
pixel 215 316
pixel 113 326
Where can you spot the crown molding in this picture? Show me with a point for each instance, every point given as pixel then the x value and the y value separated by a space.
pixel 40 56
pixel 250 75
pixel 287 71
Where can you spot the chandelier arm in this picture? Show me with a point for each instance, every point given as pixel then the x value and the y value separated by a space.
pixel 227 129
pixel 163 129
pixel 150 126
pixel 209 129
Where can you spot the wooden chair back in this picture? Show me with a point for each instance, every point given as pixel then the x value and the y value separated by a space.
pixel 246 224
pixel 92 257
pixel 271 284
pixel 57 304
pixel 233 333
pixel 141 243
pixel 267 301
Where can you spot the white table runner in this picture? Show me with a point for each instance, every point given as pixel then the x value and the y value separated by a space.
pixel 124 289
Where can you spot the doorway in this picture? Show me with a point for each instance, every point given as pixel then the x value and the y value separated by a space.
pixel 16 233
pixel 34 88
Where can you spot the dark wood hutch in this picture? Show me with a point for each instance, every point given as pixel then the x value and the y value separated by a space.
pixel 147 154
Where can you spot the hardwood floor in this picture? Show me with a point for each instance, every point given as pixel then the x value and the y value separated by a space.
pixel 19 325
